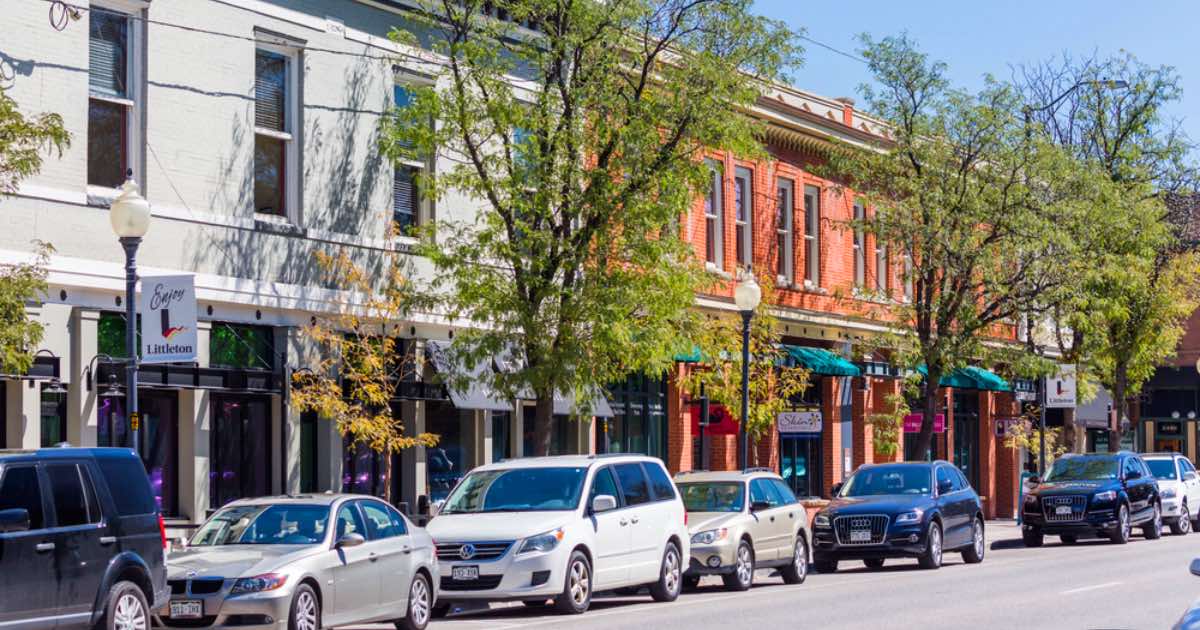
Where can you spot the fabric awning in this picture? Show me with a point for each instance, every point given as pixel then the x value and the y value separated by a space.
pixel 692 356
pixel 821 361
pixel 972 377
pixel 478 393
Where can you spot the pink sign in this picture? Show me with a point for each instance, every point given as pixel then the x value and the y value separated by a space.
pixel 912 423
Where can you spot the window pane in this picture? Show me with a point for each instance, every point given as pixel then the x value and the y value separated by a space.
pixel 604 484
pixel 269 171
pixel 128 485
pixel 107 148
pixel 66 487
pixel 349 522
pixel 270 91
pixel 660 482
pixel 710 240
pixel 633 484
pixel 404 199
pixel 54 418
pixel 379 522
pixel 108 45
pixel 21 489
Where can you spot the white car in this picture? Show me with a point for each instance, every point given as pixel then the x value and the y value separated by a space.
pixel 561 528
pixel 1179 487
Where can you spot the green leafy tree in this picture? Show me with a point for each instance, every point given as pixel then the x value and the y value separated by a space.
pixel 581 140
pixel 24 140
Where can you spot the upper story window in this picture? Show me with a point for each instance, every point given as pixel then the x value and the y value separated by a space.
pixel 881 266
pixel 783 228
pixel 860 254
pixel 908 278
pixel 406 198
pixel 714 224
pixel 276 175
pixel 114 97
pixel 743 201
pixel 812 236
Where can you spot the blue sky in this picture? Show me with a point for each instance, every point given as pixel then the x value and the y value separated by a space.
pixel 989 36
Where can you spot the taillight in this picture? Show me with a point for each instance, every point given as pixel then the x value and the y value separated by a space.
pixel 162 531
pixel 685 518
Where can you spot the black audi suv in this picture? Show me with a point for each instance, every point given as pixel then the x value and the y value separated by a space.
pixel 1104 495
pixel 911 510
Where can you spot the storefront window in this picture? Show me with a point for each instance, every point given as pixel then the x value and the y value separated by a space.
pixel 241 346
pixel 800 455
pixel 54 418
pixel 110 335
pixel 445 463
pixel 363 470
pixel 157 439
pixel 639 422
pixel 501 435
pixel 308 451
pixel 966 434
pixel 240 448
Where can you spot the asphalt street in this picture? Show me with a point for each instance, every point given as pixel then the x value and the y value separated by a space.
pixel 1091 585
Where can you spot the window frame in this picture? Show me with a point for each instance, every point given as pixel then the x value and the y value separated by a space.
pixel 785 188
pixel 812 236
pixel 621 484
pixel 860 251
pixel 743 230
pixel 134 101
pixel 47 507
pixel 714 215
pixel 882 268
pixel 423 212
pixel 92 513
pixel 291 136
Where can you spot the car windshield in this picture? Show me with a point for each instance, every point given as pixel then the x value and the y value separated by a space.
pixel 887 480
pixel 1162 468
pixel 713 497
pixel 1083 469
pixel 516 490
pixel 264 525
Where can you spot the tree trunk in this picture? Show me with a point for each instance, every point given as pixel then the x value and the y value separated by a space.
pixel 1120 378
pixel 925 437
pixel 543 423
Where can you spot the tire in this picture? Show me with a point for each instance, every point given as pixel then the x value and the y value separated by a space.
pixel 826 566
pixel 1153 529
pixel 305 612
pixel 797 571
pixel 670 576
pixel 576 596
pixel 932 556
pixel 1032 537
pixel 1120 535
pixel 1183 525
pixel 973 553
pixel 440 610
pixel 420 605
pixel 691 582
pixel 742 577
pixel 125 608
pixel 1068 539
pixel 873 563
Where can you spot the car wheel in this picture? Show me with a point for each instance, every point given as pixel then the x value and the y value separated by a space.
pixel 826 566
pixel 126 608
pixel 932 557
pixel 974 553
pixel 1068 539
pixel 1183 525
pixel 690 582
pixel 1032 537
pixel 577 586
pixel 797 571
pixel 420 603
pixel 305 613
pixel 743 569
pixel 1153 529
pixel 1124 529
pixel 873 563
pixel 670 577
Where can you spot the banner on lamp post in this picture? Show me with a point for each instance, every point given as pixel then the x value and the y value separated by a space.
pixel 168 310
pixel 1060 388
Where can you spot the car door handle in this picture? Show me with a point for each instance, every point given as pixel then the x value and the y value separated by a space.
pixel 108 540
pixel 44 547
pixel 624 522
pixel 634 520
pixel 772 519
pixel 373 556
pixel 406 549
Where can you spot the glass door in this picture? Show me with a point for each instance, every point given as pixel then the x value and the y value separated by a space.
pixel 800 464
pixel 240 448
pixel 966 435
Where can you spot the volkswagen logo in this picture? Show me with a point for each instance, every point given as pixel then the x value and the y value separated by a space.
pixel 191 574
pixel 860 522
pixel 467 551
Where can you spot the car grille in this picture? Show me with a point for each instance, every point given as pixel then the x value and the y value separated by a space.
pixel 178 587
pixel 1050 507
pixel 200 586
pixel 484 583
pixel 878 523
pixel 477 552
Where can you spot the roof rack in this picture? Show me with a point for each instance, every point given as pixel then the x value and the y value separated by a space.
pixel 758 469
pixel 604 455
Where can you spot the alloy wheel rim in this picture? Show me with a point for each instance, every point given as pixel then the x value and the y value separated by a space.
pixel 800 559
pixel 1185 520
pixel 306 612
pixel 419 602
pixel 1126 527
pixel 978 539
pixel 1158 517
pixel 935 543
pixel 580 582
pixel 671 570
pixel 129 614
pixel 744 565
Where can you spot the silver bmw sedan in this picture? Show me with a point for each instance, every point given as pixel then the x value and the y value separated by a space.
pixel 303 562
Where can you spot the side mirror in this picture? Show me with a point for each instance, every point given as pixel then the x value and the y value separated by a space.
pixel 758 506
pixel 14 520
pixel 603 503
pixel 350 540
pixel 1133 475
pixel 1196 567
pixel 835 489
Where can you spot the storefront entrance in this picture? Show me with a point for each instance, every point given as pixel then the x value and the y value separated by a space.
pixel 158 441
pixel 240 448
pixel 800 464
pixel 1169 437
pixel 446 462
pixel 966 434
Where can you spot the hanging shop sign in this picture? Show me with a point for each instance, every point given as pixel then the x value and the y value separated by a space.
pixel 799 422
pixel 912 423
pixel 1003 425
pixel 1060 389
pixel 168 310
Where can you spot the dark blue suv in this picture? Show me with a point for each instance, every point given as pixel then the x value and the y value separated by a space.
pixel 1104 495
pixel 81 540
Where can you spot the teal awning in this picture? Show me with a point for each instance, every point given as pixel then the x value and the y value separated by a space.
pixel 694 356
pixel 821 361
pixel 972 377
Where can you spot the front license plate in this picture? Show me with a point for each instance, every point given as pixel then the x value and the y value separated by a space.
pixel 465 573
pixel 187 609
pixel 860 535
pixel 1062 509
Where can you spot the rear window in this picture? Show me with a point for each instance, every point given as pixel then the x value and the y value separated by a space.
pixel 659 482
pixel 128 485
pixel 1162 468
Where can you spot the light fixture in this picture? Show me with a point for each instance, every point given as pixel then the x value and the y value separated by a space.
pixel 747 294
pixel 1191 415
pixel 130 212
pixel 1174 415
pixel 54 386
pixel 113 390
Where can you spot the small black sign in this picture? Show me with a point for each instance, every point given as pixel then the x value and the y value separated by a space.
pixel 1170 428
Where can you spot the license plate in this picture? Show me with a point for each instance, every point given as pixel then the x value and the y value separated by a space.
pixel 187 609
pixel 860 535
pixel 1062 509
pixel 465 573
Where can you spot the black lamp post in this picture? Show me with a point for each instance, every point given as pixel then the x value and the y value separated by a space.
pixel 130 218
pixel 746 295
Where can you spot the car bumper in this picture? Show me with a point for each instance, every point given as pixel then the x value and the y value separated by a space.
pixel 259 610
pixel 510 577
pixel 1094 521
pixel 1172 508
pixel 900 541
pixel 715 559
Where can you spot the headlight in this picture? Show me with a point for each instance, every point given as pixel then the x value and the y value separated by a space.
pixel 910 517
pixel 710 536
pixel 542 542
pixel 1107 495
pixel 821 520
pixel 1168 493
pixel 258 583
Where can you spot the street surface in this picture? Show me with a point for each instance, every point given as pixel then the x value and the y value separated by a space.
pixel 1092 585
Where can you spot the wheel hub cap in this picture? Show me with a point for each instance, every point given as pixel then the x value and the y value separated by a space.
pixel 745 568
pixel 580 583
pixel 671 570
pixel 419 603
pixel 129 614
pixel 306 612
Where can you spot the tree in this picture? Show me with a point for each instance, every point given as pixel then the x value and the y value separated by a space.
pixel 24 140
pixel 772 384
pixel 949 194
pixel 355 380
pixel 581 139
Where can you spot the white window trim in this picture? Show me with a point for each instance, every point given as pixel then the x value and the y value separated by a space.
pixel 716 187
pixel 743 173
pixel 135 77
pixel 787 230
pixel 425 207
pixel 882 269
pixel 292 109
pixel 812 239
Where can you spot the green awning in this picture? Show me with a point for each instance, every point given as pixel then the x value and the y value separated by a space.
pixel 972 377
pixel 821 361
pixel 694 356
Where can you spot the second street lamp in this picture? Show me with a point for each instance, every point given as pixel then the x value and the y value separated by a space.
pixel 746 295
pixel 130 218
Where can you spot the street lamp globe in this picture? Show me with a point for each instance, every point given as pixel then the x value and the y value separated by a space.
pixel 747 294
pixel 130 212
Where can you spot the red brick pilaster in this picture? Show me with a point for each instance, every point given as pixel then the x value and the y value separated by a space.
pixel 679 423
pixel 831 433
pixel 863 442
pixel 724 452
pixel 987 451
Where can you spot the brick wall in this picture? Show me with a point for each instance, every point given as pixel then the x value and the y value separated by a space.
pixel 831 433
pixel 864 443
pixel 679 433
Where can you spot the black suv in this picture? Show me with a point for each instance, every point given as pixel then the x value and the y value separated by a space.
pixel 1104 495
pixel 81 540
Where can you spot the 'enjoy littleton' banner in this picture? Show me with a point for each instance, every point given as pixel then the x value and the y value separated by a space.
pixel 168 310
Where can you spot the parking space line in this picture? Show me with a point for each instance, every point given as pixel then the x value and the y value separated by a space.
pixel 1094 587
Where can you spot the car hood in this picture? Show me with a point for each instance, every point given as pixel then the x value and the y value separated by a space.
pixel 876 504
pixel 1072 487
pixel 495 525
pixel 704 521
pixel 234 560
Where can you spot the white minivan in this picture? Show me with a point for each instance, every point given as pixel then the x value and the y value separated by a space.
pixel 561 528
